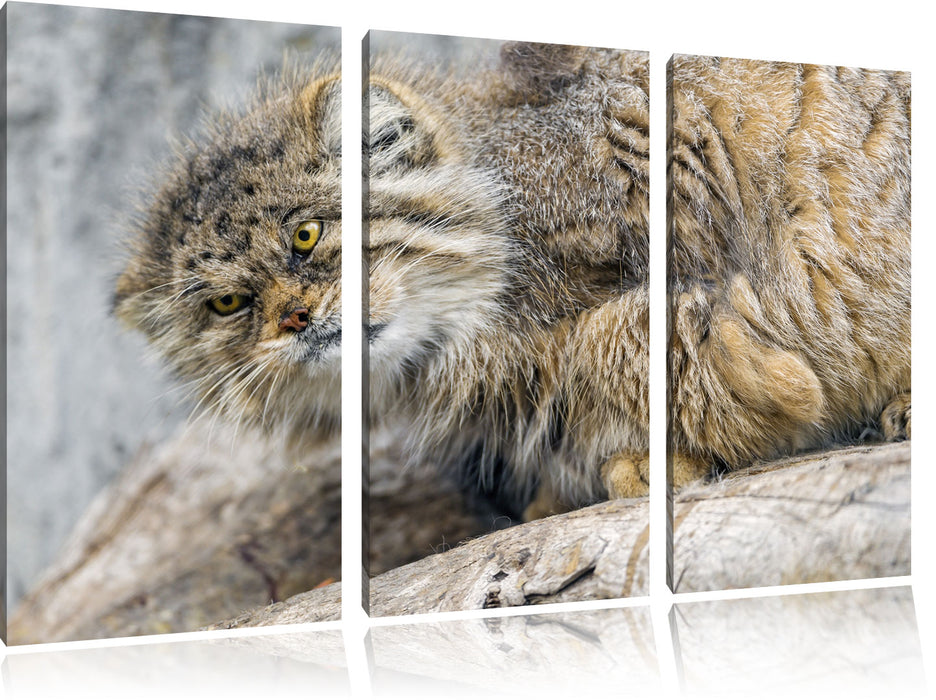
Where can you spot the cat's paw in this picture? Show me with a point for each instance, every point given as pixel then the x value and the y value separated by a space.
pixel 895 418
pixel 688 468
pixel 626 475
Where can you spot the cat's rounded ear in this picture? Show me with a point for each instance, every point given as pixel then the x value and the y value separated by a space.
pixel 127 303
pixel 323 104
pixel 401 131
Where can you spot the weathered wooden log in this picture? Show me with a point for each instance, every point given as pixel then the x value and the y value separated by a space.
pixel 206 526
pixel 835 515
pixel 318 605
pixel 830 516
pixel 190 537
pixel 592 553
pixel 190 533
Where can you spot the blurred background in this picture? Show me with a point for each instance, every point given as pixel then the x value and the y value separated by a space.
pixel 456 51
pixel 94 98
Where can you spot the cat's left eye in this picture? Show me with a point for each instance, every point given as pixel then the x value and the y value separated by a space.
pixel 306 236
pixel 228 304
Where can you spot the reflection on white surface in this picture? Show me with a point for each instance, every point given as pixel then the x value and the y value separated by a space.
pixel 293 665
pixel 860 643
pixel 855 644
pixel 544 655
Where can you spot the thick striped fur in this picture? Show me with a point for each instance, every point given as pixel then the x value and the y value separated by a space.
pixel 508 255
pixel 507 249
pixel 789 267
pixel 222 224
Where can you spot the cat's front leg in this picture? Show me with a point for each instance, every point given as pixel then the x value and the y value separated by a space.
pixel 686 469
pixel 627 475
pixel 895 418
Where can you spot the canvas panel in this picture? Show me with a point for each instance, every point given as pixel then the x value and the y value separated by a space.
pixel 506 243
pixel 789 322
pixel 130 512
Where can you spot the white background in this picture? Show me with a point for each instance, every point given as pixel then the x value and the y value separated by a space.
pixel 895 35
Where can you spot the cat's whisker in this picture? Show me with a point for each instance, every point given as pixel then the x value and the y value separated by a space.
pixel 397 272
pixel 270 391
pixel 168 305
pixel 258 372
pixel 191 385
pixel 184 282
pixel 137 295
pixel 211 390
pixel 225 402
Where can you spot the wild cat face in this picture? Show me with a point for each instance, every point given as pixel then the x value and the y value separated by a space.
pixel 437 253
pixel 235 274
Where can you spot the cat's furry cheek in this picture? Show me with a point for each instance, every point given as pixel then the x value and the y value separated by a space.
pixel 436 291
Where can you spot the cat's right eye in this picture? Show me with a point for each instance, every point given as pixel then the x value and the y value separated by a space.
pixel 306 236
pixel 228 304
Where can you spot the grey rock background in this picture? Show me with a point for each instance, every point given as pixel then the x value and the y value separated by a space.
pixel 452 51
pixel 93 98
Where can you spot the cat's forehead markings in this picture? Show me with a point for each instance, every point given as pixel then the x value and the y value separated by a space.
pixel 239 155
pixel 222 223
pixel 275 212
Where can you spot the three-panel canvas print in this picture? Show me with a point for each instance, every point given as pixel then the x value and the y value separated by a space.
pixel 174 323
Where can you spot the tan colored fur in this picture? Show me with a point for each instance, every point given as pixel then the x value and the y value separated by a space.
pixel 507 249
pixel 508 256
pixel 789 267
pixel 788 273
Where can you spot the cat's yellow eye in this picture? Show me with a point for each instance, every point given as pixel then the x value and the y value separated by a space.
pixel 306 236
pixel 228 304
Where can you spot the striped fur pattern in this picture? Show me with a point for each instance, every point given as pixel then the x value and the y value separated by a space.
pixel 222 225
pixel 789 266
pixel 508 253
pixel 507 249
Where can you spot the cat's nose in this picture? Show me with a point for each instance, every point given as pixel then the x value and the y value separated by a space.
pixel 297 319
